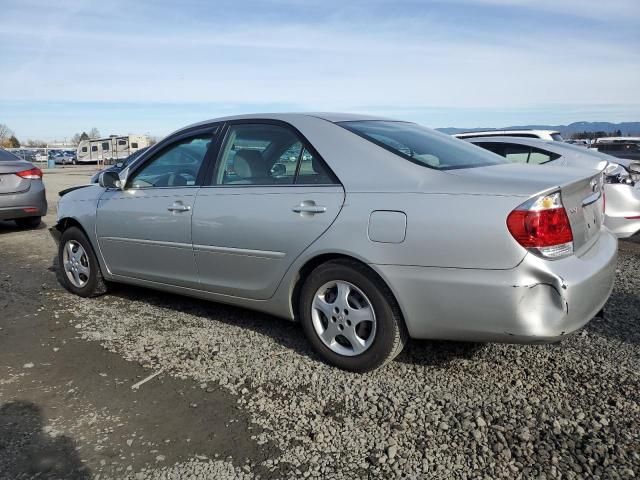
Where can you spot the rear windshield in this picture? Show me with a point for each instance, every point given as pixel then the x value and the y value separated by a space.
pixel 7 156
pixel 422 145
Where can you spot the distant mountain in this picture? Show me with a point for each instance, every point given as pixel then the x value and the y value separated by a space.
pixel 627 128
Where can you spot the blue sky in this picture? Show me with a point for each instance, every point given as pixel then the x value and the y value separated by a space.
pixel 152 66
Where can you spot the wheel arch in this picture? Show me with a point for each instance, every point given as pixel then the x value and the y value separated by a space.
pixel 314 262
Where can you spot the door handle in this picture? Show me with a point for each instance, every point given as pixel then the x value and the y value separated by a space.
pixel 310 208
pixel 179 207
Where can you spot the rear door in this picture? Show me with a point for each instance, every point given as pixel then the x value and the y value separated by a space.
pixel 144 230
pixel 269 197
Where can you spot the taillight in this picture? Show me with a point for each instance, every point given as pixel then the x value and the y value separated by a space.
pixel 541 225
pixel 33 173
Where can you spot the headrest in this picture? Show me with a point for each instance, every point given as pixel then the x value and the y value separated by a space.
pixel 249 164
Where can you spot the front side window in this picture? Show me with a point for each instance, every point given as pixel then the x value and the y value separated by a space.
pixel 267 154
pixel 122 142
pixel 134 145
pixel 84 149
pixel 421 145
pixel 175 166
pixel 94 148
pixel 105 145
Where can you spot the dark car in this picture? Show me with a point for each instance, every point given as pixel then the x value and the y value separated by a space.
pixel 121 165
pixel 620 148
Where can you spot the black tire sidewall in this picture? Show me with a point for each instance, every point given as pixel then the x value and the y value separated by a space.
pixel 386 322
pixel 74 233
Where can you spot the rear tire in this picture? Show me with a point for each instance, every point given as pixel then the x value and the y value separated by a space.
pixel 340 336
pixel 28 222
pixel 78 268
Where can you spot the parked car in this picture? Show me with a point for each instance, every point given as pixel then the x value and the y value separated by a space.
pixel 622 177
pixel 22 193
pixel 61 157
pixel 121 165
pixel 384 230
pixel 619 147
pixel 550 135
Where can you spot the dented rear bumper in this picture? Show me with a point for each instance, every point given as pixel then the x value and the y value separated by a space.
pixel 537 301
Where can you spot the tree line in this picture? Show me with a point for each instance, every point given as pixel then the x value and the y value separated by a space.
pixel 8 138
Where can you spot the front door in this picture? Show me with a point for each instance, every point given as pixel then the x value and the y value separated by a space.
pixel 144 230
pixel 269 198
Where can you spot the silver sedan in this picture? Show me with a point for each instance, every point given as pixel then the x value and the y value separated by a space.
pixel 621 176
pixel 368 231
pixel 22 193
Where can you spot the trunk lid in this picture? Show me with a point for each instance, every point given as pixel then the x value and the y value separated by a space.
pixel 581 191
pixel 584 202
pixel 9 181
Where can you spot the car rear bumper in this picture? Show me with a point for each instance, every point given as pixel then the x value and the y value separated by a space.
pixel 537 301
pixel 31 203
pixel 623 209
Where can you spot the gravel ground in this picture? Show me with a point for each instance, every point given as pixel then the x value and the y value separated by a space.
pixel 442 410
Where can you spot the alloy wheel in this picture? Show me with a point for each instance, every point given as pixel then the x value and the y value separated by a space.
pixel 343 318
pixel 76 263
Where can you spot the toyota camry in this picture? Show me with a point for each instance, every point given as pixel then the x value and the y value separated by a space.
pixel 367 231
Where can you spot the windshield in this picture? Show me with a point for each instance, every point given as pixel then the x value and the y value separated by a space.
pixel 557 137
pixel 422 145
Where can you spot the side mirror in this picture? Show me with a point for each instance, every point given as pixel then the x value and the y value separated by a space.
pixel 120 164
pixel 110 180
pixel 635 168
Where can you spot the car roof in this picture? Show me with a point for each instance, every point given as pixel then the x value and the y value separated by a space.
pixel 332 117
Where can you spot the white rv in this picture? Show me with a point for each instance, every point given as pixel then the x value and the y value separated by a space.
pixel 110 149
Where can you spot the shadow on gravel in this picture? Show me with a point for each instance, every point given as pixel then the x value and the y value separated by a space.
pixel 28 452
pixel 286 333
pixel 9 226
pixel 621 319
pixel 437 352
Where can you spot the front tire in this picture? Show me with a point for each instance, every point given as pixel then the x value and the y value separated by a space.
pixel 78 268
pixel 351 317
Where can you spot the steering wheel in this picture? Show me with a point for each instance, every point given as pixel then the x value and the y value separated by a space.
pixel 184 173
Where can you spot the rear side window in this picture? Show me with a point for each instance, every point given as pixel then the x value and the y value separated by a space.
pixel 422 145
pixel 105 145
pixel 84 149
pixel 134 145
pixel 538 156
pixel 94 148
pixel 268 154
pixel 7 156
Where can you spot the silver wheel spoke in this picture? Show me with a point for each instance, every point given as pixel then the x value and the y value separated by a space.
pixel 361 315
pixel 358 344
pixel 343 293
pixel 83 270
pixel 76 277
pixel 321 304
pixel 329 335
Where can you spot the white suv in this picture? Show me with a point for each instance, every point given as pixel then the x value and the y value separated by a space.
pixel 552 135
